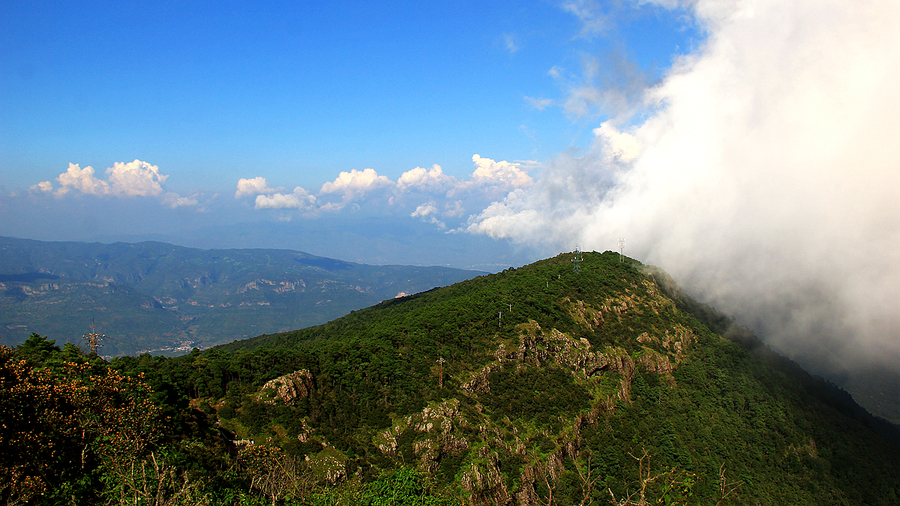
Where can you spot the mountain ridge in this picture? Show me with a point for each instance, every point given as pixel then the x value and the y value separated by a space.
pixel 151 295
pixel 615 345
pixel 535 385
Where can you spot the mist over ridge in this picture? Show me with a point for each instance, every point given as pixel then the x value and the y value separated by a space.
pixel 761 173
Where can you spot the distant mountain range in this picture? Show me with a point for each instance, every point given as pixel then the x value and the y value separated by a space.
pixel 154 296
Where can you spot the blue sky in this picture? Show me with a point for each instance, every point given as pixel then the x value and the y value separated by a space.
pixel 212 92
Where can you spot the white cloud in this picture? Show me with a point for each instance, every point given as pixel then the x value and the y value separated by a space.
pixel 135 178
pixel 512 218
pixel 764 175
pixel 611 86
pixel 352 187
pixel 254 186
pixel 619 147
pixel 502 173
pixel 447 198
pixel 82 180
pixel 174 201
pixel 539 103
pixel 43 186
pixel 132 179
pixel 489 180
pixel 425 210
pixel 298 199
pixel 454 209
pixel 428 212
pixel 593 20
pixel 432 179
pixel 356 182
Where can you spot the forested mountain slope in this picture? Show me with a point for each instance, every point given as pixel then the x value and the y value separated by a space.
pixel 537 385
pixel 154 296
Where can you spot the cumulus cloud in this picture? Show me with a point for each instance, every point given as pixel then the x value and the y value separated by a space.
pixel 453 209
pixel 486 180
pixel 349 187
pixel 253 186
pixel 617 146
pixel 132 179
pixel 502 173
pixel 356 181
pixel 175 201
pixel 298 199
pixel 135 178
pixel 763 175
pixel 43 186
pixel 81 180
pixel 446 198
pixel 432 179
pixel 352 187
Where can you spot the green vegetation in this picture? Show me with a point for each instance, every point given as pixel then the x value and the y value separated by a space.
pixel 536 385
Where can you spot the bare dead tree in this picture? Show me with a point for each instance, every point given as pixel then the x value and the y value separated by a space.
pixel 645 479
pixel 156 482
pixel 274 473
pixel 587 483
pixel 549 490
pixel 725 488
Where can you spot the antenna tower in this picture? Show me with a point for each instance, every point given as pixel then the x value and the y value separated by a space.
pixel 93 338
pixel 579 257
pixel 441 362
pixel 621 249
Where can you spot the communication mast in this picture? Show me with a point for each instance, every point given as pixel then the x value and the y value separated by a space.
pixel 93 338
pixel 441 362
pixel 621 249
pixel 579 257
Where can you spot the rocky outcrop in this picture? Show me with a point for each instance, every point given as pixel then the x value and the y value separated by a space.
pixel 640 298
pixel 446 430
pixel 652 361
pixel 288 388
pixel 484 482
pixel 438 427
pixel 548 470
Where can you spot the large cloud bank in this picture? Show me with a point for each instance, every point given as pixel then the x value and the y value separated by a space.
pixel 765 175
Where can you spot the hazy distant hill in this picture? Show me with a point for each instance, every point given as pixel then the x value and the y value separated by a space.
pixel 152 296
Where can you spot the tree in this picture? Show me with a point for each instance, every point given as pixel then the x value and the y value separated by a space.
pixel 61 429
